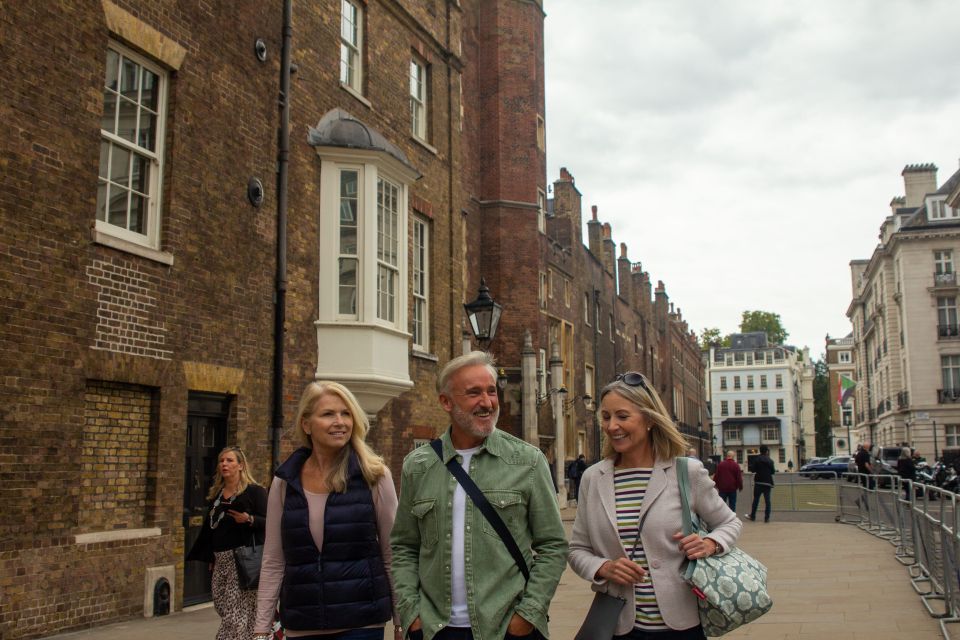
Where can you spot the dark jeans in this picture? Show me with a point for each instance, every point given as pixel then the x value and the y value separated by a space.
pixel 373 633
pixel 730 497
pixel 464 633
pixel 694 633
pixel 761 490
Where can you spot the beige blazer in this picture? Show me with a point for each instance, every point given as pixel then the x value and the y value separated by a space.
pixel 595 538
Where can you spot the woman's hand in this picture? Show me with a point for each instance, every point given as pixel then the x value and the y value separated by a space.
pixel 622 571
pixel 240 517
pixel 695 547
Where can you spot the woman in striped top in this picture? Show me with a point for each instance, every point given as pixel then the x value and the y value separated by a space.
pixel 626 537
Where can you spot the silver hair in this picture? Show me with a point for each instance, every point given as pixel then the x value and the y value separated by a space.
pixel 471 359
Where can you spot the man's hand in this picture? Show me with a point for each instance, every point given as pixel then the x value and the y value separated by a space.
pixel 519 626
pixel 416 625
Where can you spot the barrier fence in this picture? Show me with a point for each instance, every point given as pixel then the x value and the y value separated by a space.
pixel 919 521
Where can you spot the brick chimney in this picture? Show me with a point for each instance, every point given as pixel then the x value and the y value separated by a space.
pixel 595 235
pixel 609 250
pixel 898 202
pixel 623 273
pixel 918 181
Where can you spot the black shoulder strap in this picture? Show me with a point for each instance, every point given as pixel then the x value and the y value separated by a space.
pixel 485 508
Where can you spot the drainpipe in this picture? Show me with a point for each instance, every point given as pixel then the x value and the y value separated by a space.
pixel 280 292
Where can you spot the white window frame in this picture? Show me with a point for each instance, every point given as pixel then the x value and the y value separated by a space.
pixel 541 133
pixel 388 249
pixel 751 407
pixel 771 433
pixel 724 408
pixel 154 165
pixel 778 381
pixel 950 372
pixel 420 272
pixel 351 45
pixel 541 211
pixel 419 96
pixel 763 381
pixel 586 309
pixel 844 357
pixel 544 289
pixel 943 261
pixel 723 383
pixel 764 407
pixel 738 407
pixel 780 406
pixel 374 170
pixel 951 433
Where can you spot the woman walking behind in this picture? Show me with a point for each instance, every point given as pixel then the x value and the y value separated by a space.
pixel 332 504
pixel 626 537
pixel 238 508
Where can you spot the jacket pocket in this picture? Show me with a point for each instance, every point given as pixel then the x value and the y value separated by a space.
pixel 509 506
pixel 426 515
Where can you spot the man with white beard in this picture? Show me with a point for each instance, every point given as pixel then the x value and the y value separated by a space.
pixel 454 577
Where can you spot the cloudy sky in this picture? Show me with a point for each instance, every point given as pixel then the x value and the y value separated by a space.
pixel 747 150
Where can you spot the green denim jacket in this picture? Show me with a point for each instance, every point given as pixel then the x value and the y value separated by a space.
pixel 515 478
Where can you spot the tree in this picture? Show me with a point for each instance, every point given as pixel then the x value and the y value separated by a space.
pixel 709 335
pixel 765 321
pixel 822 415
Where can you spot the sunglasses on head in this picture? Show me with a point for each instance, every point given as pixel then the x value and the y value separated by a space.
pixel 634 379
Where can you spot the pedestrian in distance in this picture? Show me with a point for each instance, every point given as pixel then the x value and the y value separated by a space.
pixel 763 469
pixel 238 506
pixel 454 575
pixel 866 465
pixel 729 479
pixel 626 539
pixel 907 470
pixel 575 472
pixel 332 504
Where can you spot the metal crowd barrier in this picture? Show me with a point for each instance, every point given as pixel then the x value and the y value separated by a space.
pixel 794 492
pixel 921 522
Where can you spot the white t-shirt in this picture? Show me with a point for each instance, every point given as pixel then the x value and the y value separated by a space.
pixel 459 613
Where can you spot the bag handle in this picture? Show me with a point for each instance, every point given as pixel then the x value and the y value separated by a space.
pixel 485 508
pixel 683 480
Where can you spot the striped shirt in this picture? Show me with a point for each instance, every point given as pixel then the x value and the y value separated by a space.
pixel 630 486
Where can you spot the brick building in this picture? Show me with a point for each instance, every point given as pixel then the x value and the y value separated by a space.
pixel 138 268
pixel 839 359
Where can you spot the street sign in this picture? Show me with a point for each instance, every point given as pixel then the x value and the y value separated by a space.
pixel 921 415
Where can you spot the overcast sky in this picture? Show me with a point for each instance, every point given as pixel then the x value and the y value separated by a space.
pixel 746 151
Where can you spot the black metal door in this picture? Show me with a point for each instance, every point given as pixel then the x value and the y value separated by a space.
pixel 206 436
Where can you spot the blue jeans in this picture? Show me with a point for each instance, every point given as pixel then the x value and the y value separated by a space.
pixel 730 497
pixel 761 490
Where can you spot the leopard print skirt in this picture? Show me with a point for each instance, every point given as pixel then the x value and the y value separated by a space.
pixel 237 608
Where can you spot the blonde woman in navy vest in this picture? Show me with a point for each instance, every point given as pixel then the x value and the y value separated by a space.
pixel 326 559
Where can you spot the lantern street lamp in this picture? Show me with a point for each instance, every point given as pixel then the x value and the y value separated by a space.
pixel 484 315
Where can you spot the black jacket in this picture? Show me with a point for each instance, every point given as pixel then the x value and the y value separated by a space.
pixel 764 470
pixel 229 534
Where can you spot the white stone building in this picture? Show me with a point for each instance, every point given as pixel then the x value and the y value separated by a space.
pixel 905 323
pixel 761 394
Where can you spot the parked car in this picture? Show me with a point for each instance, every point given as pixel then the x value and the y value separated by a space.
pixel 829 468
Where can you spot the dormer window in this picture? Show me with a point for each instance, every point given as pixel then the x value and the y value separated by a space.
pixel 939 210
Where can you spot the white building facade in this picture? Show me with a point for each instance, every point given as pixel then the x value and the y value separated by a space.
pixel 906 332
pixel 761 394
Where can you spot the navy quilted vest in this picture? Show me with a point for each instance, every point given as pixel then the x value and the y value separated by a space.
pixel 344 586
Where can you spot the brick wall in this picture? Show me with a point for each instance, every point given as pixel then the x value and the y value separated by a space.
pixel 115 456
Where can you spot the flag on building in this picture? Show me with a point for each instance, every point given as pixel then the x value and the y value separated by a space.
pixel 845 390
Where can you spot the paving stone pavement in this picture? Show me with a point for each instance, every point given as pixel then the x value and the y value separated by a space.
pixel 827 580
